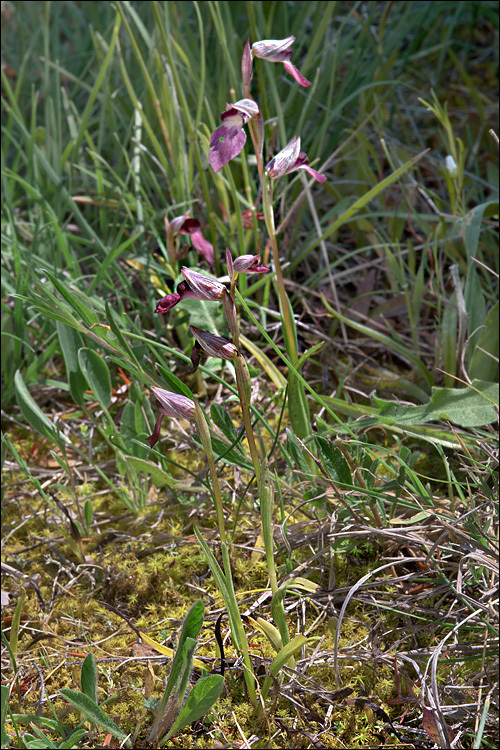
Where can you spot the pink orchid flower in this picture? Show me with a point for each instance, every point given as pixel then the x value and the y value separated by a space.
pixel 279 50
pixel 186 225
pixel 170 405
pixel 195 286
pixel 228 139
pixel 211 345
pixel 289 160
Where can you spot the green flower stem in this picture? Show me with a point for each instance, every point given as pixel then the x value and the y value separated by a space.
pixel 206 441
pixel 288 325
pixel 244 385
pixel 239 636
pixel 266 514
pixel 237 629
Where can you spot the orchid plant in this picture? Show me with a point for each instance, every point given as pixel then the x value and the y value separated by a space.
pixel 226 142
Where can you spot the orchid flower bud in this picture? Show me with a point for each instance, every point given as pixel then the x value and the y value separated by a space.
pixel 185 225
pixel 451 167
pixel 246 67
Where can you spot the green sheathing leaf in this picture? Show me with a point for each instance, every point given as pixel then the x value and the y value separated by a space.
pixel 333 461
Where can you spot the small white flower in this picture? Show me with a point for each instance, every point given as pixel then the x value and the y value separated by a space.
pixel 451 167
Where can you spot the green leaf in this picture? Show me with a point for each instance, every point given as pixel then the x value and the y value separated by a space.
pixel 473 406
pixel 201 698
pixel 75 298
pixel 89 677
pixel 190 629
pixel 484 359
pixel 174 383
pixel 34 415
pixel 222 419
pixel 449 329
pixel 295 451
pixel 180 671
pixel 193 622
pixel 42 743
pixel 281 658
pixel 333 461
pixel 159 476
pixel 97 374
pixel 470 225
pixel 4 704
pixel 475 305
pixel 71 342
pixel 92 711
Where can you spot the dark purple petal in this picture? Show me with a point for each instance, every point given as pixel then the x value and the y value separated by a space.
pixel 189 226
pixel 168 302
pixel 231 118
pixel 290 68
pixel 225 147
pixel 153 439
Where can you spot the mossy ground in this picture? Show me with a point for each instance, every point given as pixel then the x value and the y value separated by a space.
pixel 151 569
